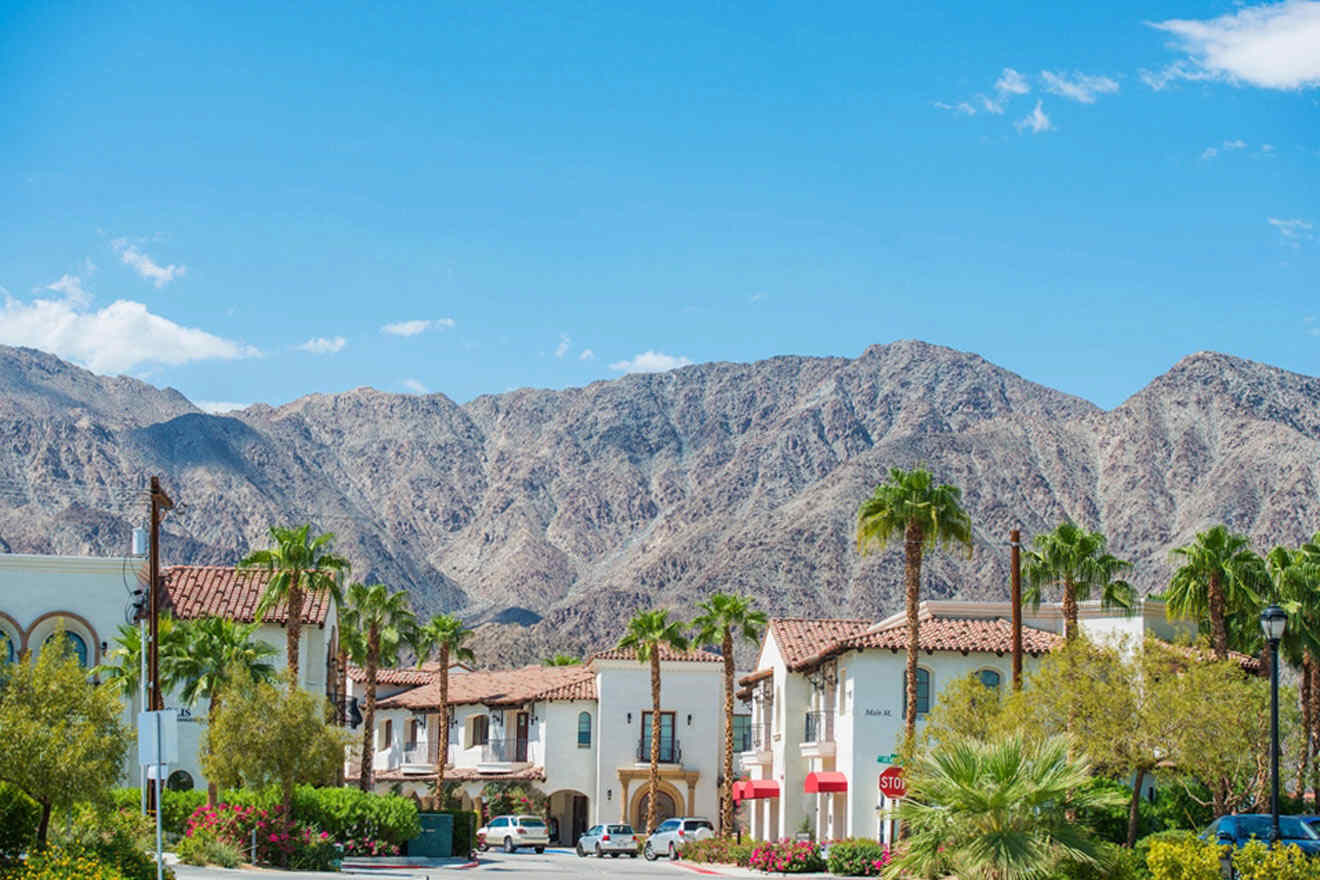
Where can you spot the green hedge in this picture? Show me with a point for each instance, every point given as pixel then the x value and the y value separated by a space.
pixel 178 806
pixel 19 818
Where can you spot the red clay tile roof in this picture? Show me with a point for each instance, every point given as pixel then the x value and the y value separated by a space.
pixel 667 655
pixel 993 636
pixel 802 639
pixel 465 774
pixel 193 591
pixel 502 687
pixel 406 676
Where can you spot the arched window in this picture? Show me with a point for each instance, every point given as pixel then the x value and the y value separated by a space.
pixel 923 692
pixel 584 730
pixel 989 678
pixel 77 646
pixel 8 650
pixel 180 780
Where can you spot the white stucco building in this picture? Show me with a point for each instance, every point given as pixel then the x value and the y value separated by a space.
pixel 828 701
pixel 93 596
pixel 578 733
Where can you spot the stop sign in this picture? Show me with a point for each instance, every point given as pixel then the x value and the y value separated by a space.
pixel 891 782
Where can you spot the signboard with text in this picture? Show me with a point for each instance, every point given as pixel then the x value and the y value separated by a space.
pixel 891 783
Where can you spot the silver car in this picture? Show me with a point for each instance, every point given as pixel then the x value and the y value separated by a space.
pixel 674 834
pixel 615 840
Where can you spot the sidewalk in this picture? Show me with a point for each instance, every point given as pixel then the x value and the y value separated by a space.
pixel 714 870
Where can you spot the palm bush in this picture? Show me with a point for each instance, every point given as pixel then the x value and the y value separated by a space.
pixel 997 810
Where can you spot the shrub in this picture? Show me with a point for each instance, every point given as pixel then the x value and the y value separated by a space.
pixel 720 851
pixel 857 857
pixel 118 838
pixel 1110 821
pixel 56 863
pixel 204 849
pixel 1115 863
pixel 1186 859
pixel 19 818
pixel 1142 846
pixel 787 857
pixel 1256 861
pixel 344 813
pixel 177 806
pixel 315 851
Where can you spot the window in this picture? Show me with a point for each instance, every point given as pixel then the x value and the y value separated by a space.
pixel 923 692
pixel 389 734
pixel 498 823
pixel 77 646
pixel 8 651
pixel 412 734
pixel 180 780
pixel 668 745
pixel 481 730
pixel 584 730
pixel 989 678
pixel 742 733
pixel 697 825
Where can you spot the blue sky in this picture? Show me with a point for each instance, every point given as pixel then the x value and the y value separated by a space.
pixel 250 204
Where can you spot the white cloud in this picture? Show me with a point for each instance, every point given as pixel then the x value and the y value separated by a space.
pixel 961 107
pixel 412 328
pixel 324 345
pixel 215 407
pixel 587 355
pixel 415 387
pixel 990 105
pixel 562 348
pixel 145 266
pixel 1036 121
pixel 1235 145
pixel 1079 87
pixel 1011 82
pixel 1209 153
pixel 1270 45
pixel 1267 148
pixel 651 362
pixel 1294 231
pixel 120 337
pixel 71 287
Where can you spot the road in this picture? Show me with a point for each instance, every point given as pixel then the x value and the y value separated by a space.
pixel 554 864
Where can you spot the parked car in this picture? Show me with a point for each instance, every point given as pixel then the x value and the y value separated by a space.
pixel 512 832
pixel 612 839
pixel 1238 830
pixel 674 834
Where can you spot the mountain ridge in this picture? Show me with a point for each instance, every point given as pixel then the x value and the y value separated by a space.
pixel 564 510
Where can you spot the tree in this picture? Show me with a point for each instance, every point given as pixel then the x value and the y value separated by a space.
pixel 339 595
pixel 997 810
pixel 1075 560
pixel 1219 576
pixel 264 734
pixel 378 616
pixel 211 652
pixel 444 634
pixel 562 660
pixel 926 516
pixel 650 633
pixel 61 737
pixel 298 563
pixel 722 618
pixel 122 670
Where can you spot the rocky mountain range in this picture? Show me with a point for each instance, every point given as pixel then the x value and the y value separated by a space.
pixel 549 516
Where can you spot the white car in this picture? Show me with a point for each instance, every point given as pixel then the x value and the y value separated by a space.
pixel 612 839
pixel 674 834
pixel 511 832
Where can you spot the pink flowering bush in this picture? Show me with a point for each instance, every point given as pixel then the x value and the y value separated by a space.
pixel 788 857
pixel 279 840
pixel 369 846
pixel 857 857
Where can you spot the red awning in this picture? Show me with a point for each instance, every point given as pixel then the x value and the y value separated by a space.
pixel 826 781
pixel 753 789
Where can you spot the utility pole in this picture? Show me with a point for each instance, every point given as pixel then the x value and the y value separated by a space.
pixel 1015 554
pixel 159 501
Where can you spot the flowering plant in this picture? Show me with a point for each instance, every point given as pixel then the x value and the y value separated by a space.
pixel 788 857
pixel 279 840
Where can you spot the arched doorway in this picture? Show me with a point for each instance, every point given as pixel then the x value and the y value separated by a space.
pixel 666 807
pixel 569 813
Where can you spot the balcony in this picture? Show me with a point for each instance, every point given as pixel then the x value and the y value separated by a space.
pixel 818 735
pixel 670 751
pixel 505 755
pixel 757 753
pixel 416 759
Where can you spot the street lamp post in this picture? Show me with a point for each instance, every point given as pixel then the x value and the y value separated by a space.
pixel 1273 622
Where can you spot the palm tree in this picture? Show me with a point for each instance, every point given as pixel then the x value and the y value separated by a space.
pixel 339 595
pixel 122 669
pixel 648 634
pixel 445 635
pixel 926 516
pixel 723 615
pixel 562 660
pixel 1219 575
pixel 1075 559
pixel 379 616
pixel 297 564
pixel 997 810
pixel 214 652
